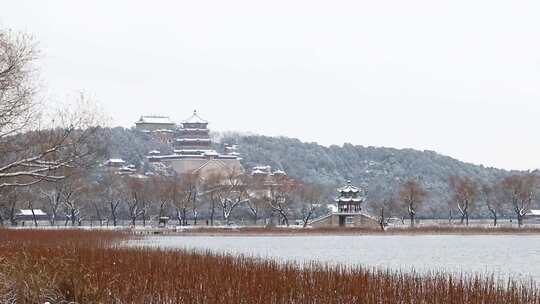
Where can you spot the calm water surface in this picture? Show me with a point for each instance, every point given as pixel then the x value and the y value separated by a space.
pixel 505 256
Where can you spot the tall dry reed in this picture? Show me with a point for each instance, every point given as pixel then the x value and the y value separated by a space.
pixel 87 267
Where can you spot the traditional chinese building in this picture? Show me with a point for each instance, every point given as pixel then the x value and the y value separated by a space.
pixel 119 166
pixel 194 152
pixel 349 199
pixel 162 128
pixel 151 123
pixel 193 137
pixel 349 210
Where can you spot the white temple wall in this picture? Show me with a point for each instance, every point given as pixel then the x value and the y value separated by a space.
pixel 206 167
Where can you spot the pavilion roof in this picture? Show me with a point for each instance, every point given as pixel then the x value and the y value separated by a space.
pixel 155 119
pixel 349 188
pixel 195 118
pixel 349 200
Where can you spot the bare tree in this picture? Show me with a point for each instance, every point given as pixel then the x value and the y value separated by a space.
pixel 280 196
pixel 9 199
pixel 231 191
pixel 162 193
pixel 385 207
pixel 18 53
pixel 382 220
pixel 52 194
pixel 310 197
pixel 113 191
pixel 184 194
pixel 412 194
pixel 63 140
pixel 256 203
pixel 96 200
pixel 492 198
pixel 465 192
pixel 28 196
pixel 211 186
pixel 13 200
pixel 74 197
pixel 519 191
pixel 195 206
pixel 2 210
pixel 136 198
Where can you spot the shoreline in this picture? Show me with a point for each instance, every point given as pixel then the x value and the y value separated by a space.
pixel 297 231
pixel 272 232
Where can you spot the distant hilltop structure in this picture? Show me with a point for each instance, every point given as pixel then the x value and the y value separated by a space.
pixel 161 127
pixel 266 171
pixel 194 137
pixel 193 149
pixel 119 166
pixel 150 123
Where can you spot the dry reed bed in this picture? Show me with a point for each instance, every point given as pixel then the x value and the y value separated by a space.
pixel 83 267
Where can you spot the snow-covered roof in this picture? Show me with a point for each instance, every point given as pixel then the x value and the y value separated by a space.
pixel 37 212
pixel 263 168
pixel 195 118
pixel 128 168
pixel 211 153
pixel 231 147
pixel 534 212
pixel 193 130
pixel 193 139
pixel 279 172
pixel 163 131
pixel 115 161
pixel 228 156
pixel 155 119
pixel 349 200
pixel 174 156
pixel 139 176
pixel 349 188
pixel 191 151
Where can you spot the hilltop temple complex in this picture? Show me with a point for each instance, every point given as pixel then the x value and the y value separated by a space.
pixel 193 149
pixel 194 152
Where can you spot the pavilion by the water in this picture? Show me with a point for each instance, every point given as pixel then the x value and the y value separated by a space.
pixel 349 210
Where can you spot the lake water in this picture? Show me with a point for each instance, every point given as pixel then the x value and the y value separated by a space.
pixel 505 256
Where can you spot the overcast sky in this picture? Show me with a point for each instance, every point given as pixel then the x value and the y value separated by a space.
pixel 458 77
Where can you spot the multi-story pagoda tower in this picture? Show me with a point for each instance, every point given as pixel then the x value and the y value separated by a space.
pixel 193 137
pixel 193 152
pixel 350 199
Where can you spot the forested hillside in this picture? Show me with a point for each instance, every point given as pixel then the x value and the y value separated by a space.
pixel 380 170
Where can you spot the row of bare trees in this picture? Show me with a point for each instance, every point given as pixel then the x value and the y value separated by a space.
pixel 109 198
pixel 513 194
pixel 516 193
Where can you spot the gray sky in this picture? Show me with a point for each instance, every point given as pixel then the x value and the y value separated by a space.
pixel 459 77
